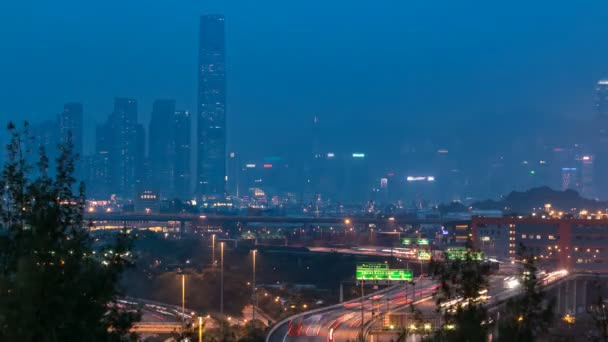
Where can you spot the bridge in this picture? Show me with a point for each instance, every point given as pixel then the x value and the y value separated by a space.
pixel 223 219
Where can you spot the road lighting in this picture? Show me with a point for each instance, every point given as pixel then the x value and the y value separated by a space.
pixel 183 297
pixel 222 278
pixel 200 329
pixel 213 250
pixel 254 297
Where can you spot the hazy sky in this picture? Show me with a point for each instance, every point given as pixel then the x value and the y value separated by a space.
pixel 358 65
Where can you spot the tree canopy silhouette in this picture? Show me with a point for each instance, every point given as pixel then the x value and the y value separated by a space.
pixel 54 284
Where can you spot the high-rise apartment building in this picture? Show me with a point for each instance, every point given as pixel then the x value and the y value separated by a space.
pixel 181 154
pixel 124 136
pixel 160 144
pixel 70 125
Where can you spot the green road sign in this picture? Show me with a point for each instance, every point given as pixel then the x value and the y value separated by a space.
pixel 455 253
pixel 424 255
pixel 381 272
pixel 400 274
pixel 372 265
pixel 414 241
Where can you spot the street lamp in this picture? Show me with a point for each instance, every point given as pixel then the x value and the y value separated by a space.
pixel 222 278
pixel 200 329
pixel 183 297
pixel 213 250
pixel 254 297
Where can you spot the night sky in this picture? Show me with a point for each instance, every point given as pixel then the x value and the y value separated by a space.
pixel 376 73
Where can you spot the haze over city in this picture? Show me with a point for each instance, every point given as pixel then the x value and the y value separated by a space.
pixel 426 75
pixel 315 171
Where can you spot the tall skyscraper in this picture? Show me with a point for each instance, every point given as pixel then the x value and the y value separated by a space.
pixel 124 135
pixel 44 136
pixel 601 143
pixel 69 123
pixel 211 111
pixel 160 144
pixel 181 164
pixel 100 180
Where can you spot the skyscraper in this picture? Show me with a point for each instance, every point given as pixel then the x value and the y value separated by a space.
pixel 124 137
pixel 44 136
pixel 69 123
pixel 211 111
pixel 100 180
pixel 181 163
pixel 160 146
pixel 601 143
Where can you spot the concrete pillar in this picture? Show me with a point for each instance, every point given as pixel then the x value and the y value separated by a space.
pixel 567 298
pixel 559 299
pixel 341 292
pixel 584 296
pixel 574 295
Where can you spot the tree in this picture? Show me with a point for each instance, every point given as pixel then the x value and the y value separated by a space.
pixel 463 283
pixel 528 316
pixel 54 285
pixel 252 331
pixel 599 316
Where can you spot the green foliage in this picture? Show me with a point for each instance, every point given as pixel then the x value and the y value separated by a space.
pixel 53 285
pixel 528 316
pixel 462 280
pixel 598 312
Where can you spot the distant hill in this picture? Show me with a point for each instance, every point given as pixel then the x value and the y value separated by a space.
pixel 523 202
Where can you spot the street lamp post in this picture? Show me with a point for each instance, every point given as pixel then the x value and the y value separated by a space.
pixel 213 250
pixel 254 298
pixel 362 310
pixel 200 329
pixel 183 297
pixel 222 278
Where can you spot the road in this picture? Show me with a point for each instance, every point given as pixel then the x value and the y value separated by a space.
pixel 344 321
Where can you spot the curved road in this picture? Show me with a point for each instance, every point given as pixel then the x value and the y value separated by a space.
pixel 343 322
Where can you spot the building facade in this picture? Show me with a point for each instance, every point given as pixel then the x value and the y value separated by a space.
pixel 211 111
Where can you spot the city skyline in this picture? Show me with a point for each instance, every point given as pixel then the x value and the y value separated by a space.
pixel 139 151
pixel 403 89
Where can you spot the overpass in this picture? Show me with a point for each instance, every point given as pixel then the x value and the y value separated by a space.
pixel 223 219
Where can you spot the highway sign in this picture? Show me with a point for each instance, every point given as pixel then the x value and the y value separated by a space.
pixel 381 272
pixel 424 255
pixel 455 253
pixel 414 241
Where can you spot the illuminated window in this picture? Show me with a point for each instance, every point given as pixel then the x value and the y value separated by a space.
pixel 551 237
pixel 523 236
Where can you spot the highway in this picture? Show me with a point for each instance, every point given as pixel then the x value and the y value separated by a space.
pixel 343 322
